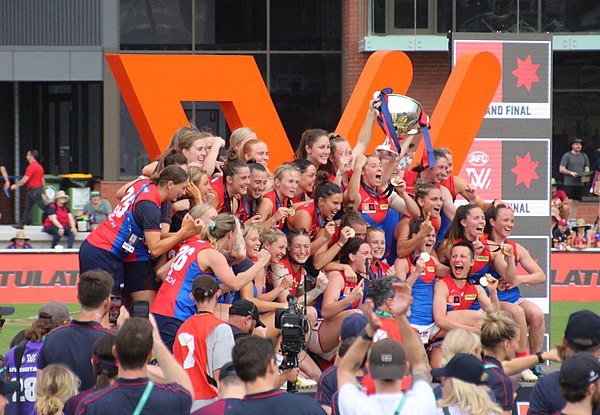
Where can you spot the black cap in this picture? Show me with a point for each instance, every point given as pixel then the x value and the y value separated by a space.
pixel 387 360
pixel 576 140
pixel 7 388
pixel 578 371
pixel 465 367
pixel 6 311
pixel 583 330
pixel 226 371
pixel 246 308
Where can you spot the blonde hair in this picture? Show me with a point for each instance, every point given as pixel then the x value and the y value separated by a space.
pixel 459 341
pixel 199 210
pixel 238 135
pixel 249 228
pixel 55 385
pixel 472 399
pixel 218 228
pixel 497 326
pixel 196 174
pixel 271 235
pixel 283 169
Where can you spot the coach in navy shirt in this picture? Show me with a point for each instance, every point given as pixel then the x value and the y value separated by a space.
pixel 582 334
pixel 254 362
pixel 137 341
pixel 72 344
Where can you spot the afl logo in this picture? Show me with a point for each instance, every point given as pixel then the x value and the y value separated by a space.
pixel 478 158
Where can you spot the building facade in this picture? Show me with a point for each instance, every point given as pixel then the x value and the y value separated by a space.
pixel 58 95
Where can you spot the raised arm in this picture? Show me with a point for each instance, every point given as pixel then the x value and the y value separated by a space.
pixel 211 258
pixel 172 371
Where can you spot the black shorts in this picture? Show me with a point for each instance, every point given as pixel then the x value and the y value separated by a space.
pixel 574 192
pixel 91 258
pixel 167 327
pixel 139 276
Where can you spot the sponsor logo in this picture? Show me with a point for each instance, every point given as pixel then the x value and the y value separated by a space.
pixel 478 158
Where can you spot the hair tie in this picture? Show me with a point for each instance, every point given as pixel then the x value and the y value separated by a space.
pixel 107 362
pixel 212 225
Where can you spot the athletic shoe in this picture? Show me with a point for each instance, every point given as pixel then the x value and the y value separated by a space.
pixel 537 370
pixel 527 376
pixel 304 383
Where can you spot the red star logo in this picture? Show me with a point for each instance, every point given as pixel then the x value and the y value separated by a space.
pixel 526 73
pixel 525 170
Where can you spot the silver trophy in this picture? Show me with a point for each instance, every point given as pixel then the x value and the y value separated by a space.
pixel 405 113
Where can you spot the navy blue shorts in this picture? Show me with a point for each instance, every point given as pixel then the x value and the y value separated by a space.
pixel 139 276
pixel 91 258
pixel 167 327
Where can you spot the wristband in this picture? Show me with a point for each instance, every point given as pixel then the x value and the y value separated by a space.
pixel 365 336
pixel 540 358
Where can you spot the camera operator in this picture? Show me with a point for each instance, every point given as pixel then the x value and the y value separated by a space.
pixel 244 318
pixel 254 362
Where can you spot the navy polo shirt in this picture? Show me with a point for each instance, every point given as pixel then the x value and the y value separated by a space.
pixel 72 345
pixel 499 383
pixel 219 407
pixel 123 396
pixel 277 402
pixel 327 386
pixel 546 398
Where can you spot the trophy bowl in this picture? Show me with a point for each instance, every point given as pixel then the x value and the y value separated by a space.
pixel 405 113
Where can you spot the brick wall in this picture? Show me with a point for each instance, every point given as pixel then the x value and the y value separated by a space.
pixel 431 69
pixel 352 61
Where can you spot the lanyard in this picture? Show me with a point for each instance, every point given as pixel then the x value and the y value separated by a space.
pixel 384 314
pixel 144 398
pixel 227 199
pixel 320 220
pixel 250 211
pixel 400 405
pixel 375 193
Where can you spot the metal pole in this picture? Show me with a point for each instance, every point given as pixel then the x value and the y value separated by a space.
pixel 17 150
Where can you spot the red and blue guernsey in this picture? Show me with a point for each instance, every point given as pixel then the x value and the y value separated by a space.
pixel 374 207
pixel 511 295
pixel 482 263
pixel 27 377
pixel 296 275
pixel 277 203
pixel 348 287
pixel 173 297
pixel 317 220
pixel 422 291
pixel 225 200
pixel 120 233
pixel 459 298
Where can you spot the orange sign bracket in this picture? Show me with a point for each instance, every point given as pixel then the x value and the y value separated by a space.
pixel 154 86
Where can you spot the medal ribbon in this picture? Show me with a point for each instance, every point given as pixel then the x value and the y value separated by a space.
pixel 384 119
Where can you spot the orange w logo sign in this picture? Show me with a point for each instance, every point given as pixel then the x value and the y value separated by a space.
pixel 153 87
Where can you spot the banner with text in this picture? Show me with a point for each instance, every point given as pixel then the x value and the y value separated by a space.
pixel 575 276
pixel 38 278
pixel 510 157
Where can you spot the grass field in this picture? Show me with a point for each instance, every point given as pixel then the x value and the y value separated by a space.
pixel 26 313
pixel 21 319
